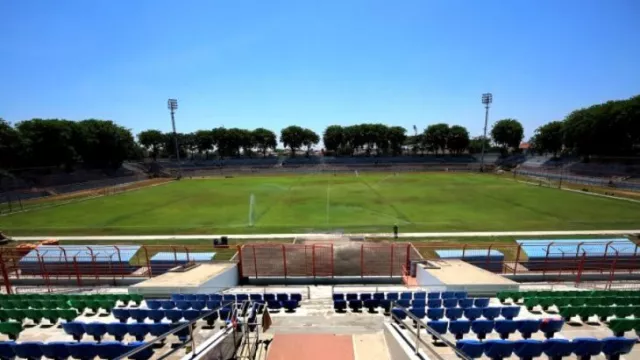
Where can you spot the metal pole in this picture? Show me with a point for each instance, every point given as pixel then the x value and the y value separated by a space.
pixel 484 137
pixel 175 138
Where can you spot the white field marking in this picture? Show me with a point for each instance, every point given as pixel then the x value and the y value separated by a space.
pixel 328 236
pixel 580 192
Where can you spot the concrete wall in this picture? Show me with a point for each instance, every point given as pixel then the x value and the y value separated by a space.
pixel 397 345
pixel 225 279
pixel 424 278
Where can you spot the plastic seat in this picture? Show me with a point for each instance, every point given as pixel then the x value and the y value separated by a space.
pixel 188 297
pixel 406 295
pixel 174 315
pixel 399 313
pixel 282 296
pixel 117 330
pixel 371 304
pixel 378 296
pixel 527 349
pixel 435 313
pixel 448 295
pixel 161 328
pixel 585 348
pixel 34 314
pixel 110 349
pixel 56 350
pixel 214 304
pixel 339 305
pixel 509 312
pixel 351 296
pixel 29 350
pixel 418 312
pixel 183 304
pixel 465 303
pixel 269 297
pixel 505 328
pixel 438 326
pixel 138 330
pixel 433 295
pixel 420 295
pixel 138 314
pixel 418 303
pixel 405 303
pixel 365 296
pixel 498 349
pixel 482 327
pixel 274 305
pixel 190 315
pixel 556 349
pixel 296 296
pixel 472 313
pixel 210 317
pixel 459 328
pixel 121 314
pixel 338 296
pixel 94 305
pixel 215 297
pixel 393 296
pixel 75 329
pixel 434 303
pixel 228 297
pixel 603 312
pixel 183 335
pixel 7 350
pixel 198 304
pixel 460 294
pixel 472 348
pixel 453 313
pixel 242 297
pixel 622 311
pixel 83 350
pixel 551 326
pixel 527 327
pixel 168 304
pixel 450 303
pixel 202 297
pixel 156 315
pixel 355 305
pixel 620 326
pixel 256 297
pixel 481 302
pixel 145 354
pixel 95 329
pixel 613 347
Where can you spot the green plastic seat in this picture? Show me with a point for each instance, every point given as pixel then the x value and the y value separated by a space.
pixel 11 329
pixel 34 314
pixel 53 315
pixel 16 314
pixel 620 326
pixel 561 302
pixel 68 314
pixel 608 301
pixel 62 304
pixel 623 300
pixel 6 304
pixel 504 295
pixel 35 304
pixel 137 299
pixel 546 302
pixel 29 296
pixel 568 312
pixel 125 298
pixel 94 305
pixel 4 315
pixel 635 300
pixel 99 297
pixel 623 311
pixel 106 304
pixel 80 305
pixel 586 312
pixel 593 301
pixel 49 304
pixel 577 301
pixel 531 302
pixel 603 312
pixel 111 297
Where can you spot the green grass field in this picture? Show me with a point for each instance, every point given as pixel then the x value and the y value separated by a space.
pixel 314 203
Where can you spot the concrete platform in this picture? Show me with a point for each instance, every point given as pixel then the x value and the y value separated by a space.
pixel 458 275
pixel 201 279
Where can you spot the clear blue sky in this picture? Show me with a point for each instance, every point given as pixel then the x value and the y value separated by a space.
pixel 269 63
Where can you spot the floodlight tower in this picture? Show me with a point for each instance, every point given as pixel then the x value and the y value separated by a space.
pixel 487 99
pixel 172 104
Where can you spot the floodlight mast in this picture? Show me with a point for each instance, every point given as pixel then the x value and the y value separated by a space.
pixel 487 99
pixel 172 104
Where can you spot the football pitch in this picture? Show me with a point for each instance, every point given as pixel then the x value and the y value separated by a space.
pixel 302 203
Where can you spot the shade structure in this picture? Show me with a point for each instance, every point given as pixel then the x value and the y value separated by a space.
pixel 163 261
pixel 588 254
pixel 488 259
pixel 79 259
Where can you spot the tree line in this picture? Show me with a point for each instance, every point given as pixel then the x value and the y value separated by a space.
pixel 608 129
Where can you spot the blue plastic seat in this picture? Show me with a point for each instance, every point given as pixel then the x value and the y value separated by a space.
pixel 156 315
pixel 95 329
pixel 241 297
pixel 393 296
pixel 138 314
pixel 400 313
pixel 419 303
pixel 161 328
pixel 435 313
pixel 371 304
pixel 213 304
pixel 269 297
pixel 385 305
pixel 460 294
pixel 453 313
pixel 448 295
pixel 405 303
pixel 482 327
pixel 75 329
pixel 459 328
pixel 505 328
pixel 228 298
pixel 556 349
pixel 174 315
pixel 189 297
pixel 168 304
pixel 117 330
pixel 509 312
pixel 215 297
pixel 7 350
pixel 274 305
pixel 282 296
pixel 290 305
pixel 56 350
pixel 438 326
pixel 83 350
pixel 198 304
pixel 111 349
pixel 202 297
pixel 225 314
pixel 527 349
pixel 256 297
pixel 491 312
pixel 420 295
pixel 351 296
pixel 190 315
pixel 434 303
pixel 551 326
pixel 585 348
pixel 183 335
pixel 498 349
pixel 177 297
pixel 182 304
pixel 365 296
pixel 527 327
pixel 450 303
pixel 472 313
pixel 339 305
pixel 153 304
pixel 613 347
pixel 406 295
pixel 472 348
pixel 465 303
pixel 355 305
pixel 211 316
pixel 481 302
pixel 29 350
pixel 338 296
pixel 145 354
pixel 138 330
pixel 433 295
pixel 378 296
pixel 295 296
pixel 121 314
pixel 418 312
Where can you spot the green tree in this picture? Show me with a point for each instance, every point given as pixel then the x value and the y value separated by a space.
pixel 396 135
pixel 264 140
pixel 11 146
pixel 204 142
pixel 458 140
pixel 293 137
pixel 310 139
pixel 548 138
pixel 436 136
pixel 334 138
pixel 475 144
pixel 103 144
pixel 49 142
pixel 507 133
pixel 152 140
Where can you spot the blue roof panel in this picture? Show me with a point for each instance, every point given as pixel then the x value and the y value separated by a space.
pixel 82 253
pixel 577 247
pixel 457 253
pixel 192 256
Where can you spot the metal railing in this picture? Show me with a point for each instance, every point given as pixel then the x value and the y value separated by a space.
pixel 418 340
